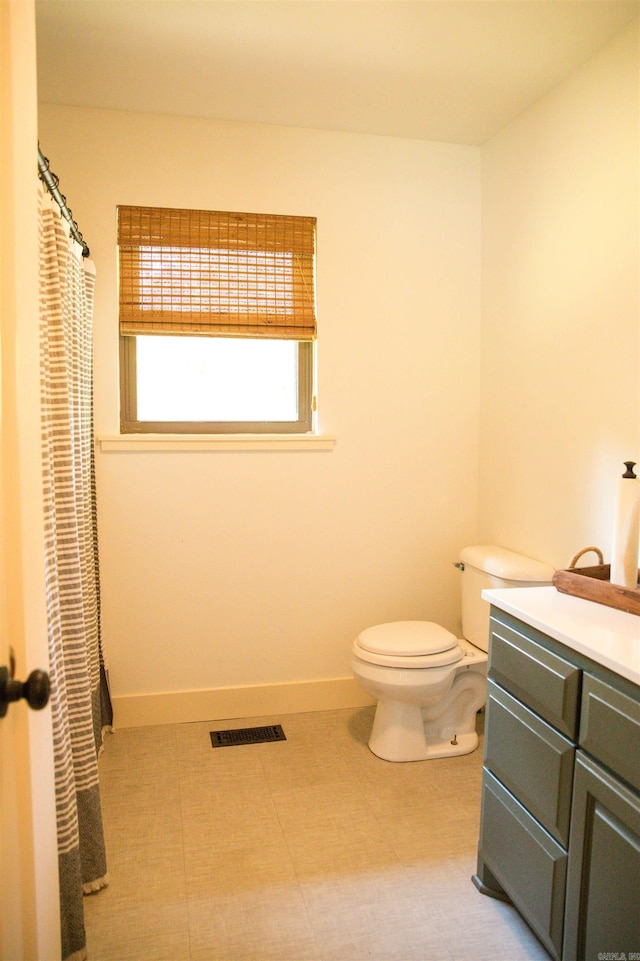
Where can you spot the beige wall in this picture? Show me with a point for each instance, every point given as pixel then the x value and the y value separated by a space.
pixel 560 406
pixel 222 570
pixel 246 571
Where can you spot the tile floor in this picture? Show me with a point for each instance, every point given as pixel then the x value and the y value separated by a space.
pixel 309 849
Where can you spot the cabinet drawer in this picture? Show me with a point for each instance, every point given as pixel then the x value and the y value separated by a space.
pixel 610 728
pixel 524 858
pixel 548 684
pixel 531 759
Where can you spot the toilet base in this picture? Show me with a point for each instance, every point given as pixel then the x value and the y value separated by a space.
pixel 424 712
pixel 399 733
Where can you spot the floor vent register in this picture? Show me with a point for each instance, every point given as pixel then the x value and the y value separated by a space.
pixel 248 735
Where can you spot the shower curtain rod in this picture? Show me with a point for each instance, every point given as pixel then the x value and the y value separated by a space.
pixel 51 182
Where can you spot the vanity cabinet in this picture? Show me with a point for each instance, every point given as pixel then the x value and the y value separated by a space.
pixel 560 817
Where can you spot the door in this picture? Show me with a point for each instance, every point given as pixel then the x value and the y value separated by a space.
pixel 29 900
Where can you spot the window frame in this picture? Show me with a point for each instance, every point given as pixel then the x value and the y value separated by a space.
pixel 130 423
pixel 235 296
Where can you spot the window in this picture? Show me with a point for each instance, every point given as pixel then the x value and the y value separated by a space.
pixel 217 321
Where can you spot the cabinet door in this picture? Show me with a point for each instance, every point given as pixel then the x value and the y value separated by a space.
pixel 602 916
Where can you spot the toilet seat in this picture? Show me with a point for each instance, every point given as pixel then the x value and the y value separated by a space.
pixel 408 644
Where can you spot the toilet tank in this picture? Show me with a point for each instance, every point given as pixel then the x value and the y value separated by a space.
pixel 490 566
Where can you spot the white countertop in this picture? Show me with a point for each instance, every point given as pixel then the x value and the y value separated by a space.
pixel 607 636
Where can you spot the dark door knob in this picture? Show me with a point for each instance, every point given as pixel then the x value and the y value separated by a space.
pixel 35 690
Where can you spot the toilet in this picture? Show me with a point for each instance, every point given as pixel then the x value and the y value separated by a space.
pixel 429 684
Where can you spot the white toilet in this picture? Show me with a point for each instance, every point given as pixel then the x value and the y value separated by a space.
pixel 429 684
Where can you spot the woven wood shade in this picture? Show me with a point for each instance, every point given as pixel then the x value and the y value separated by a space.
pixel 211 273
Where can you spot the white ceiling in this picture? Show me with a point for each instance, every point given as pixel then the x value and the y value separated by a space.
pixel 449 70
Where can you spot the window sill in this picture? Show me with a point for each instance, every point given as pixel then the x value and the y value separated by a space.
pixel 215 442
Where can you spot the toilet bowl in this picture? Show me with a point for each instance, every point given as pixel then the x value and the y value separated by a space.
pixel 428 683
pixel 429 686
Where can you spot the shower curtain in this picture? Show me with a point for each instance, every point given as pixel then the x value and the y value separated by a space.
pixel 80 702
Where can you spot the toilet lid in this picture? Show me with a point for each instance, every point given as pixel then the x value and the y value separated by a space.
pixel 407 639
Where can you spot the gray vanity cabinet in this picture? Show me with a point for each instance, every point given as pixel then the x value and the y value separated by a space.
pixel 560 818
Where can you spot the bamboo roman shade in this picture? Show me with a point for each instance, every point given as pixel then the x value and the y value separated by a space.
pixel 212 273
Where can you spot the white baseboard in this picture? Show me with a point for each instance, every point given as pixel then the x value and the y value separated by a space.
pixel 175 707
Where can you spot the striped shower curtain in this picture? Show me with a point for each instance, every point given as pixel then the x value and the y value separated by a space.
pixel 81 707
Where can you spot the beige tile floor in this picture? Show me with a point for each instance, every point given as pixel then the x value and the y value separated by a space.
pixel 309 849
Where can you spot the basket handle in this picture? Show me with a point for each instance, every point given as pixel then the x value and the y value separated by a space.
pixel 585 550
